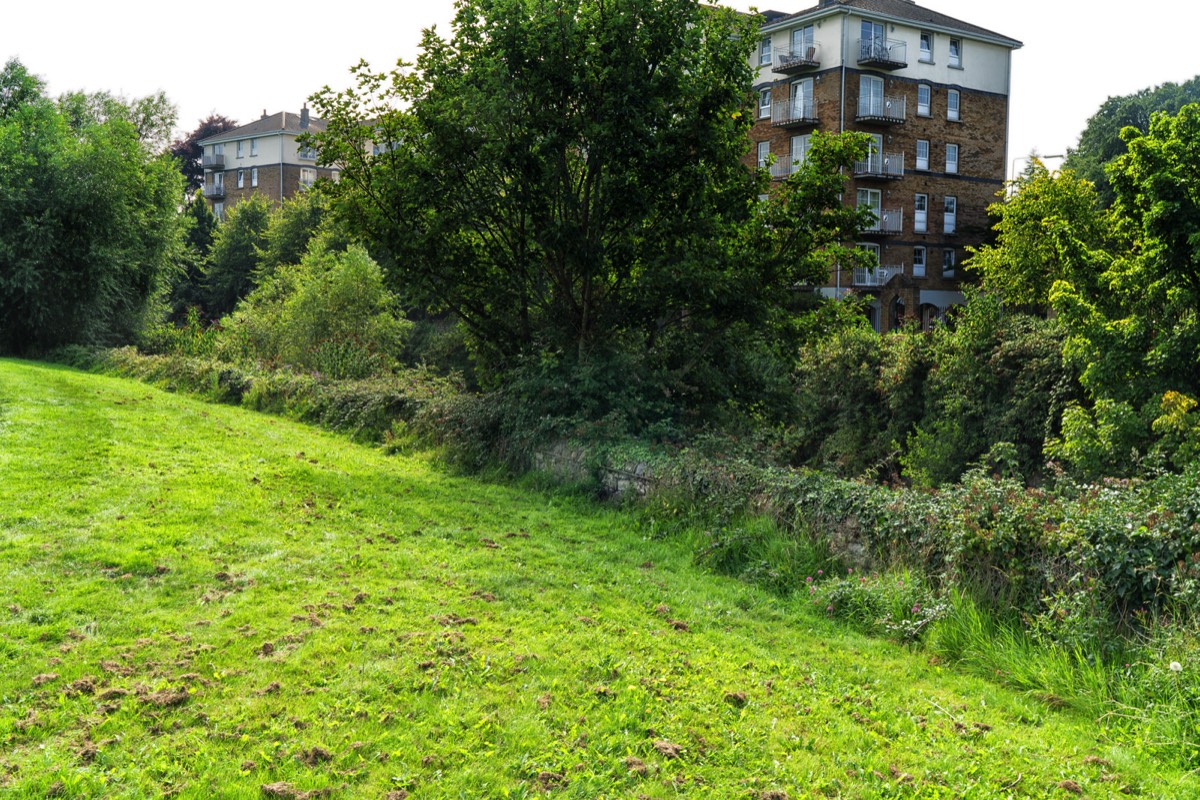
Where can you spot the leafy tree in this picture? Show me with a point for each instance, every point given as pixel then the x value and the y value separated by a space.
pixel 291 228
pixel 1137 339
pixel 1101 141
pixel 189 153
pixel 88 222
pixel 1049 229
pixel 187 285
pixel 566 178
pixel 236 251
pixel 152 117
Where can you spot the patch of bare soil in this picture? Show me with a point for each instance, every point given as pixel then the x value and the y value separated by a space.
pixel 668 749
pixel 315 756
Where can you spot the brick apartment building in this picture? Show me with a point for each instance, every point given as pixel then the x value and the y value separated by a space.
pixel 262 157
pixel 932 91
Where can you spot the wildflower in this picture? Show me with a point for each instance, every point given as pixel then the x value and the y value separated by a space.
pixel 808 579
pixel 829 609
pixel 1175 666
pixel 820 572
pixel 916 608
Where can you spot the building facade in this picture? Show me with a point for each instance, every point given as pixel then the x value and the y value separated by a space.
pixel 262 157
pixel 932 92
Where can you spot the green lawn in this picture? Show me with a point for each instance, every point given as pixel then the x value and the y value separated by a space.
pixel 198 601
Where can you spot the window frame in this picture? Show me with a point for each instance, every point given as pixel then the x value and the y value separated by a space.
pixel 765 51
pixel 764 109
pixel 950 214
pixel 921 222
pixel 806 142
pixel 919 160
pixel 308 184
pixel 949 262
pixel 928 91
pixel 763 154
pixel 952 165
pixel 253 147
pixel 241 148
pixel 241 179
pixel 254 177
pixel 955 61
pixel 919 272
pixel 925 54
pixel 953 105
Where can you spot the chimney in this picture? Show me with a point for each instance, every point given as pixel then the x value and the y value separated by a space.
pixel 264 116
pixel 304 117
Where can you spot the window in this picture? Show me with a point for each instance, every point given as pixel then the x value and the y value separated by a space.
pixel 950 215
pixel 802 43
pixel 952 104
pixel 870 198
pixel 873 249
pixel 955 53
pixel 802 99
pixel 926 46
pixel 918 262
pixel 764 52
pixel 920 213
pixel 800 146
pixel 922 154
pixel 253 176
pixel 923 94
pixel 873 44
pixel 308 176
pixel 952 158
pixel 218 149
pixel 764 153
pixel 241 148
pixel 219 181
pixel 219 210
pixel 254 147
pixel 870 96
pixel 241 179
pixel 764 103
pixel 308 153
pixel 947 263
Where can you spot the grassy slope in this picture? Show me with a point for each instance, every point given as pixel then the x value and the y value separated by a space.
pixel 283 606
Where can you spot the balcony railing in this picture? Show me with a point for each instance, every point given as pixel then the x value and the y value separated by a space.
pixel 798 59
pixel 889 222
pixel 885 110
pixel 216 191
pixel 876 276
pixel 801 111
pixel 784 168
pixel 883 53
pixel 887 166
pixel 213 162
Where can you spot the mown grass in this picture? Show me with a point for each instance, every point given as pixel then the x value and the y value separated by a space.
pixel 205 602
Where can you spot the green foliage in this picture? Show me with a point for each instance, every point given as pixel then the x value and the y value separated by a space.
pixel 1102 141
pixel 1050 228
pixel 330 313
pixel 290 229
pixel 88 222
pixel 231 271
pixel 188 152
pixel 566 179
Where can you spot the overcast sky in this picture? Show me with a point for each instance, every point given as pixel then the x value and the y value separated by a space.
pixel 240 59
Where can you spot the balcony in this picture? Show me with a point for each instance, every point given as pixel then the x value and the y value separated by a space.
pixel 881 166
pixel 213 162
pixel 883 53
pixel 881 110
pixel 784 168
pixel 890 222
pixel 789 62
pixel 793 113
pixel 214 192
pixel 875 277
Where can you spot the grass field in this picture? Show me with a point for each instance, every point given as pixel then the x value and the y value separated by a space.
pixel 198 601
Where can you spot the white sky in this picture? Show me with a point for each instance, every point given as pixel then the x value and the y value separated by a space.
pixel 238 59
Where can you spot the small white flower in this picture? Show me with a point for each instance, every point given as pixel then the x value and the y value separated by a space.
pixel 1175 666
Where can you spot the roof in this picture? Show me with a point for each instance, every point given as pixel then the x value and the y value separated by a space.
pixel 900 11
pixel 282 122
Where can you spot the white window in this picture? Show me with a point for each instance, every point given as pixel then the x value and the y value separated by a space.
pixel 219 181
pixel 802 43
pixel 800 146
pixel 254 176
pixel 218 149
pixel 241 179
pixel 952 104
pixel 951 158
pixel 764 154
pixel 308 176
pixel 764 52
pixel 920 213
pixel 926 46
pixel 873 249
pixel 918 262
pixel 308 153
pixel 870 96
pixel 219 210
pixel 254 147
pixel 802 99
pixel 955 53
pixel 922 154
pixel 947 263
pixel 950 215
pixel 241 148
pixel 870 198
pixel 764 103
pixel 923 94
pixel 873 44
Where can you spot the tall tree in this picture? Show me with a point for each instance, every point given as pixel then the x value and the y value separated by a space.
pixel 189 153
pixel 231 271
pixel 566 177
pixel 88 222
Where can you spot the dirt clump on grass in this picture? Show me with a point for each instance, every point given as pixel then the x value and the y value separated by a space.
pixel 44 678
pixel 551 780
pixel 738 699
pixel 315 756
pixel 286 791
pixel 85 685
pixel 636 765
pixel 166 698
pixel 668 749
